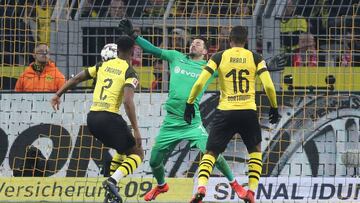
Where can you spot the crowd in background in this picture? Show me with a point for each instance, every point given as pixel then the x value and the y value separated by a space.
pixel 321 32
pixel 312 32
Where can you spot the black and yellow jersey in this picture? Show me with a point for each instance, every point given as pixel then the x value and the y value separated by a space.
pixel 237 68
pixel 111 78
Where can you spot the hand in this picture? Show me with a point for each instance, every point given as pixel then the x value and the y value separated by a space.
pixel 137 138
pixel 277 62
pixel 126 27
pixel 55 102
pixel 274 115
pixel 189 113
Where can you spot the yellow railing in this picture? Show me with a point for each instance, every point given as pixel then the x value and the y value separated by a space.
pixel 346 78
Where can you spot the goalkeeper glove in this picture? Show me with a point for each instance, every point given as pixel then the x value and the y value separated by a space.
pixel 189 113
pixel 126 27
pixel 277 62
pixel 274 115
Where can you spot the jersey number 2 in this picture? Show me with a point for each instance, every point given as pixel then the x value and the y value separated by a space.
pixel 107 86
pixel 242 79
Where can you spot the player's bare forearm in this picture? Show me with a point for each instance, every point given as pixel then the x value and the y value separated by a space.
pixel 82 76
pixel 269 88
pixel 198 86
pixel 130 106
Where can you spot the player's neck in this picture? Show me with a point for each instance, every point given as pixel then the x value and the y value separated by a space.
pixel 236 45
pixel 196 58
pixel 124 56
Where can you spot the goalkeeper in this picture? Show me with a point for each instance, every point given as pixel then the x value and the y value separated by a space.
pixel 184 70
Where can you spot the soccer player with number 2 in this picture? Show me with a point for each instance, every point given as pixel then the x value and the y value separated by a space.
pixel 116 81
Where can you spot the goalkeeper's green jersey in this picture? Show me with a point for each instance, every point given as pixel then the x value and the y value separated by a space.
pixel 183 73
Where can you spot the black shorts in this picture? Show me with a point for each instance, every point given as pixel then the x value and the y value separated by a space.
pixel 227 123
pixel 111 129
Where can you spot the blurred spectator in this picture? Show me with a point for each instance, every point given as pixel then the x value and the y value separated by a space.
pixel 179 39
pixel 180 9
pixel 158 71
pixel 245 9
pixel 97 8
pixel 17 38
pixel 41 75
pixel 88 9
pixel 290 29
pixel 305 55
pixel 44 10
pixel 156 8
pixel 223 38
pixel 117 8
pixel 337 52
pixel 137 54
pixel 346 52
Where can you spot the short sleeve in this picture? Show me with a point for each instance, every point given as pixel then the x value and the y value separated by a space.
pixel 131 77
pixel 93 70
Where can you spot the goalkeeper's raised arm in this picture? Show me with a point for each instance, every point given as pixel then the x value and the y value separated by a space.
pixel 126 27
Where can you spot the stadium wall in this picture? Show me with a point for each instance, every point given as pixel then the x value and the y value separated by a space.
pixel 313 134
pixel 303 154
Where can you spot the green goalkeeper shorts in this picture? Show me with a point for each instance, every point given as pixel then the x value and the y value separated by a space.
pixel 173 131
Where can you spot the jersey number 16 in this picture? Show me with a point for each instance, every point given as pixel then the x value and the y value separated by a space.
pixel 241 80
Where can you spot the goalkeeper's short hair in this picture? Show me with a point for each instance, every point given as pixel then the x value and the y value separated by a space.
pixel 206 42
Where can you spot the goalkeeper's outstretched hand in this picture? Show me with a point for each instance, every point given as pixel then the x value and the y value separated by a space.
pixel 277 62
pixel 126 27
pixel 189 113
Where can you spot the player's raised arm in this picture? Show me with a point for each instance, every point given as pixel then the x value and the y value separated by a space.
pixel 126 27
pixel 82 76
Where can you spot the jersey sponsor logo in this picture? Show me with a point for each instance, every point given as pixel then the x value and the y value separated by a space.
pixel 178 70
pixel 101 104
pixel 238 98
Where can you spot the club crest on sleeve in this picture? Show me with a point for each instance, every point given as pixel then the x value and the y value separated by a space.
pixel 135 82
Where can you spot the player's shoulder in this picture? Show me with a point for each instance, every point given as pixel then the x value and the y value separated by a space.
pixel 115 63
pixel 173 52
pixel 216 57
pixel 219 53
pixel 257 57
pixel 178 53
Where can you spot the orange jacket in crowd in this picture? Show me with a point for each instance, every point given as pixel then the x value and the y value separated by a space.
pixel 49 80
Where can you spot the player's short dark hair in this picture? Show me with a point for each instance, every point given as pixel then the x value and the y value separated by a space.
pixel 204 39
pixel 238 34
pixel 125 43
